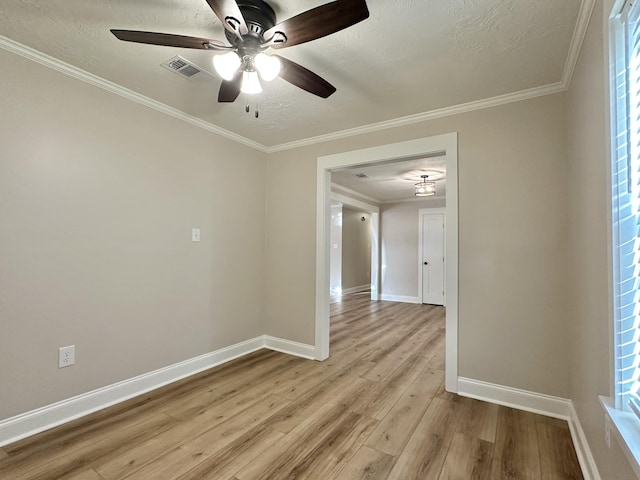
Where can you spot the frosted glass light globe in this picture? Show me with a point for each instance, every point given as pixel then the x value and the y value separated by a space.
pixel 250 83
pixel 227 65
pixel 269 67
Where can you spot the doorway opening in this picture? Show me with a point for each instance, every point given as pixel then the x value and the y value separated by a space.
pixel 372 219
pixel 444 146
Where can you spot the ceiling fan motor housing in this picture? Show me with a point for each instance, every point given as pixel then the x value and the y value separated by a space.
pixel 259 17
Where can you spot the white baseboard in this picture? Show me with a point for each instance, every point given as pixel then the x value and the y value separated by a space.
pixel 360 288
pixel 585 457
pixel 292 348
pixel 36 421
pixel 399 298
pixel 537 403
pixel 514 397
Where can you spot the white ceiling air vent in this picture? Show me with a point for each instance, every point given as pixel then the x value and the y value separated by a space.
pixel 185 68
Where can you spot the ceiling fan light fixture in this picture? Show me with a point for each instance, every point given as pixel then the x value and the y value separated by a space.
pixel 425 188
pixel 227 65
pixel 251 27
pixel 250 83
pixel 267 66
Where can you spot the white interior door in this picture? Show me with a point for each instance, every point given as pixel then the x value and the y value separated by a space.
pixel 433 258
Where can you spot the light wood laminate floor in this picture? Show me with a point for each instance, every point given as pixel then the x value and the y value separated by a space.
pixel 376 409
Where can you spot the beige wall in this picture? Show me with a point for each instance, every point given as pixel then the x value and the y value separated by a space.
pixel 356 248
pixel 399 233
pixel 591 370
pixel 513 240
pixel 98 196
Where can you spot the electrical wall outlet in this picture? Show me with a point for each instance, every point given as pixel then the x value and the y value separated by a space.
pixel 66 356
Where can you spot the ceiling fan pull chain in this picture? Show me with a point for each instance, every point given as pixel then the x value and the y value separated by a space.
pixel 247 108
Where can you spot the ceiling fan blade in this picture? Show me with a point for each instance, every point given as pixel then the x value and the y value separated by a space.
pixel 169 40
pixel 305 79
pixel 230 15
pixel 317 22
pixel 230 89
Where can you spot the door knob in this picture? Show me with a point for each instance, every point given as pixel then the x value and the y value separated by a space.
pixel 426 263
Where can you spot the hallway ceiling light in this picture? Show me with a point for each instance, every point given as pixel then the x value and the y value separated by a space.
pixel 425 188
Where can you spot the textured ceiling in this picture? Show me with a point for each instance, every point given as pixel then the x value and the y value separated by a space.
pixel 408 58
pixel 392 181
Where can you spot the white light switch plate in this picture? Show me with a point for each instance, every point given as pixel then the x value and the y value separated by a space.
pixel 195 235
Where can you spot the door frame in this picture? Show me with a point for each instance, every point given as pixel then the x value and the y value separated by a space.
pixel 445 146
pixel 421 213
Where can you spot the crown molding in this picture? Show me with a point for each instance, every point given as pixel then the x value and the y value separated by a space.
pixel 421 117
pixel 90 78
pixel 584 16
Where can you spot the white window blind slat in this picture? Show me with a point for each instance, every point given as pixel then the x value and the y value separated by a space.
pixel 626 213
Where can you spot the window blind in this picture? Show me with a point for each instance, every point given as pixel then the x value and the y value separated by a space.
pixel 626 210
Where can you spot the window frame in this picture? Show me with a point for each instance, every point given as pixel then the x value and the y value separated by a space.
pixel 625 204
pixel 619 419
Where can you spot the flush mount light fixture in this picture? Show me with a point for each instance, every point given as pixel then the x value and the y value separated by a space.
pixel 425 188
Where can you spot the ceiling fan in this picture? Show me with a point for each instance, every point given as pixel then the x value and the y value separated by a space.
pixel 250 28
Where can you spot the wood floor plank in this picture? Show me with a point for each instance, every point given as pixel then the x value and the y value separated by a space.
pixel 301 379
pixel 395 429
pixel 263 379
pixel 367 464
pixel 372 346
pixel 437 358
pixel 84 475
pixel 221 421
pixel 65 460
pixel 280 460
pixel 330 456
pixel 468 458
pixel 112 418
pixel 3 454
pixel 427 334
pixel 554 422
pixel 558 460
pixel 341 388
pixel 384 335
pixel 478 419
pixel 235 456
pixel 378 401
pixel 188 455
pixel 516 454
pixel 427 448
pixel 310 375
